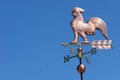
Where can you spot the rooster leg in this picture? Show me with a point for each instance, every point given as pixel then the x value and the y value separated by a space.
pixel 75 41
pixel 82 34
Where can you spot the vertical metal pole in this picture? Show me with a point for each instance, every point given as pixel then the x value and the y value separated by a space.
pixel 80 60
pixel 81 74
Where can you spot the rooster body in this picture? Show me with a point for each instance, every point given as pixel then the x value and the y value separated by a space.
pixel 82 28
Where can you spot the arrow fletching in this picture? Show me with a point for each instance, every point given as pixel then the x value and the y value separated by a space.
pixel 102 44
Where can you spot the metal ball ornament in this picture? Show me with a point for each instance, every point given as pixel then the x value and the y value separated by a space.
pixel 81 68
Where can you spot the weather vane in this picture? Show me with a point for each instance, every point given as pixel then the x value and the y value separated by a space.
pixel 81 28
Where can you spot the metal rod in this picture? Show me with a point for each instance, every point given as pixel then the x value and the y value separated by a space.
pixel 73 56
pixel 80 59
pixel 81 74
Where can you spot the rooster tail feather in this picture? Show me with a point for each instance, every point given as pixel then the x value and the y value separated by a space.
pixel 100 25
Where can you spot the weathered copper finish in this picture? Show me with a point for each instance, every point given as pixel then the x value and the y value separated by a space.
pixel 81 68
pixel 81 28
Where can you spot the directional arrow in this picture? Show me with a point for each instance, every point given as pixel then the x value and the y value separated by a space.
pixel 98 44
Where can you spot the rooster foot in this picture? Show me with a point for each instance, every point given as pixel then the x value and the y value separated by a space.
pixel 74 42
pixel 85 42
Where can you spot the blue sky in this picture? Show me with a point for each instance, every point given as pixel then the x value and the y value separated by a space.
pixel 31 31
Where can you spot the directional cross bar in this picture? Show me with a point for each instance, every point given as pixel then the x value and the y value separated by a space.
pixel 79 55
pixel 67 58
pixel 93 51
